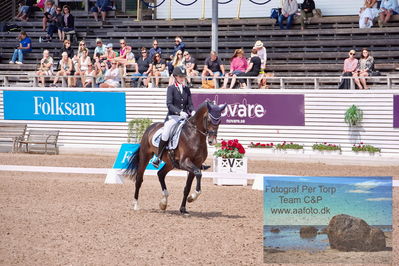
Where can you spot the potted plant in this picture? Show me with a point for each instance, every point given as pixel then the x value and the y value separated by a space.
pixel 136 129
pixel 229 158
pixel 266 147
pixel 326 148
pixel 363 149
pixel 353 116
pixel 289 147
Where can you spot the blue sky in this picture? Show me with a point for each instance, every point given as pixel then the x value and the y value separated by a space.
pixel 369 198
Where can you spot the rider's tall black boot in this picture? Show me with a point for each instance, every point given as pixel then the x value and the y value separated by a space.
pixel 161 148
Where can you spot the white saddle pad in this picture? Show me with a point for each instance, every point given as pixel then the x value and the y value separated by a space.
pixel 173 142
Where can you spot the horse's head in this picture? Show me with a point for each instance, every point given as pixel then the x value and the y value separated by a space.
pixel 212 121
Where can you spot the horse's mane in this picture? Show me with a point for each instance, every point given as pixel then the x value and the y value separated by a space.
pixel 202 105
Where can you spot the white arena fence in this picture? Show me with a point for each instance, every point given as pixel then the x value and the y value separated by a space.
pixel 323 117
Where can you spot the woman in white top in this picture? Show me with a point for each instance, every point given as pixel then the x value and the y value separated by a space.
pixel 65 69
pixel 46 67
pixel 89 76
pixel 368 13
pixel 82 65
pixel 112 77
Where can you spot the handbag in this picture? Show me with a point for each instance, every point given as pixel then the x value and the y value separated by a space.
pixel 275 13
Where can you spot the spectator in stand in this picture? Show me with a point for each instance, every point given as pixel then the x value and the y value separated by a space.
pixel 110 54
pixel 155 49
pixel 190 64
pixel 100 49
pixel 176 62
pixel 82 47
pixel 368 13
pixel 238 65
pixel 25 46
pixel 143 67
pixel 54 25
pixel 179 46
pixel 213 67
pixel 387 9
pixel 45 68
pixel 23 11
pixel 27 9
pixel 252 70
pixel 65 69
pixel 101 6
pixel 262 54
pixel 68 22
pixel 307 8
pixel 49 13
pixel 67 48
pixel 122 50
pixel 89 76
pixel 100 74
pixel 364 69
pixel 288 11
pixel 129 60
pixel 350 67
pixel 112 77
pixel 159 68
pixel 82 65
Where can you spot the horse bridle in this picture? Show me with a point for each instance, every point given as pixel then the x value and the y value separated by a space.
pixel 214 120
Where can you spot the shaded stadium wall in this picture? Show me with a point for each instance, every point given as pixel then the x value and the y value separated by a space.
pixel 323 116
pixel 250 10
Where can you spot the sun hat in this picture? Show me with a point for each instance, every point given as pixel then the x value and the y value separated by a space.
pixel 99 40
pixel 258 44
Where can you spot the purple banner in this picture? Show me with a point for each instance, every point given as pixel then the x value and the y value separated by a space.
pixel 258 109
pixel 396 111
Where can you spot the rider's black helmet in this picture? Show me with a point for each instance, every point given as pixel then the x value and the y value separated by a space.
pixel 179 72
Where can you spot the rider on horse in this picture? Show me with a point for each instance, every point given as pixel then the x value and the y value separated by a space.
pixel 180 106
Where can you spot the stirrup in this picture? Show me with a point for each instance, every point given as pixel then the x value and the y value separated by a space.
pixel 156 162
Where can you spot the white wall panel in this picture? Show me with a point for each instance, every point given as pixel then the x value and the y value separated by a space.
pixel 324 120
pixel 250 10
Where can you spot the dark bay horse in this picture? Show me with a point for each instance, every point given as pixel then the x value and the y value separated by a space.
pixel 189 155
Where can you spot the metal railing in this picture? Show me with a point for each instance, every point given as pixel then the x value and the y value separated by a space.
pixel 282 83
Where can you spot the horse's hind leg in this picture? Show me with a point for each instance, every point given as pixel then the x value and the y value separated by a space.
pixel 161 177
pixel 144 158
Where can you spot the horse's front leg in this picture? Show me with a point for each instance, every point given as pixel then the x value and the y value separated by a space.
pixel 194 171
pixel 187 188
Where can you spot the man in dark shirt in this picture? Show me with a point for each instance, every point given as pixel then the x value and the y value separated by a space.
pixel 143 67
pixel 252 69
pixel 155 49
pixel 213 67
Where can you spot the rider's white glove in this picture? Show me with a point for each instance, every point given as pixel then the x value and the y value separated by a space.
pixel 192 113
pixel 183 115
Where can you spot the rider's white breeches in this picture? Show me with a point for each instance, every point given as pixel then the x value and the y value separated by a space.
pixel 168 125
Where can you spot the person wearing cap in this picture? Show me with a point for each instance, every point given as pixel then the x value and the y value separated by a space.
pixel 180 106
pixel 101 6
pixel 100 49
pixel 109 54
pixel 261 52
pixel 288 11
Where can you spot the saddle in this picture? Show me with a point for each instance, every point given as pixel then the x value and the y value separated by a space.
pixel 174 136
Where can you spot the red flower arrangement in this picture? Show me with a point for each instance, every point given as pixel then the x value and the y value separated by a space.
pixel 262 145
pixel 230 149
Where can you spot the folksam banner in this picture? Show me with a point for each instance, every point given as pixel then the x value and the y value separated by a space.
pixel 396 111
pixel 258 109
pixel 115 175
pixel 65 106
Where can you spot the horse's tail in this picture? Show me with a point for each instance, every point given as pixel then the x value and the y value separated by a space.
pixel 131 169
